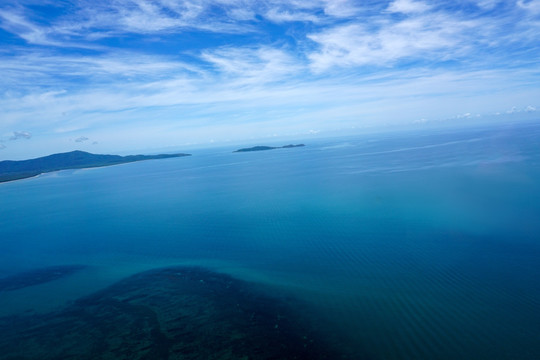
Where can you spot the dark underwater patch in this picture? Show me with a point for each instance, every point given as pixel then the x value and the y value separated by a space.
pixel 37 276
pixel 173 313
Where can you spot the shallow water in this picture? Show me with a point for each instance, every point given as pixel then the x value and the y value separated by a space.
pixel 172 313
pixel 412 245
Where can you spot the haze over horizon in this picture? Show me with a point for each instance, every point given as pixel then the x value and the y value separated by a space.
pixel 105 76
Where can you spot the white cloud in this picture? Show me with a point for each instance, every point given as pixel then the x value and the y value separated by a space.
pixel 241 14
pixel 316 11
pixel 101 19
pixel 20 135
pixel 27 71
pixel 408 6
pixel 192 102
pixel 417 37
pixel 279 16
pixel 487 4
pixel 81 139
pixel 257 65
pixel 171 16
pixel 147 17
pixel 89 21
pixel 531 5
pixel 341 8
pixel 16 23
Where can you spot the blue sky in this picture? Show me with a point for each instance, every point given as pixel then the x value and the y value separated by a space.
pixel 119 75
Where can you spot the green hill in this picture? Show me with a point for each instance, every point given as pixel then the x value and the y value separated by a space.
pixel 14 170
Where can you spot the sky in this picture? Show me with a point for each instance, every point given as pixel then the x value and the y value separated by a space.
pixel 110 76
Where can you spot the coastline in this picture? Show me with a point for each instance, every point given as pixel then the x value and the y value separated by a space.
pixel 10 176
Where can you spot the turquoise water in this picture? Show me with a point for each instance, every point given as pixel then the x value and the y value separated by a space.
pixel 420 245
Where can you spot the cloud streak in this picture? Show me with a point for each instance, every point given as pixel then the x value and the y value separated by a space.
pixel 81 139
pixel 408 6
pixel 20 135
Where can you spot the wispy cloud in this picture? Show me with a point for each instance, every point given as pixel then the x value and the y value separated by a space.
pixel 92 21
pixel 532 5
pixel 81 139
pixel 20 135
pixel 95 20
pixel 280 16
pixel 342 8
pixel 253 65
pixel 28 72
pixel 437 37
pixel 487 4
pixel 15 22
pixel 430 34
pixel 408 6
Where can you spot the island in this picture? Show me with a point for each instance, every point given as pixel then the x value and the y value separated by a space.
pixel 15 170
pixel 262 148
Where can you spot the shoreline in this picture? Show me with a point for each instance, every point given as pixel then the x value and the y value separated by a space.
pixel 118 160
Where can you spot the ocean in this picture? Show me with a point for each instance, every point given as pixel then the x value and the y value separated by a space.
pixel 401 245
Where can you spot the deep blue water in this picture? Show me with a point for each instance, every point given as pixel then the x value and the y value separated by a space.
pixel 419 245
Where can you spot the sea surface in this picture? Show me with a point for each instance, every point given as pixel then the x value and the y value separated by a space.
pixel 407 245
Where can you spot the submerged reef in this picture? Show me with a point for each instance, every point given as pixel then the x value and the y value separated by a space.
pixel 172 313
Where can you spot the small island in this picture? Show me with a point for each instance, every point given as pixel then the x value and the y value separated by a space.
pixel 262 148
pixel 15 170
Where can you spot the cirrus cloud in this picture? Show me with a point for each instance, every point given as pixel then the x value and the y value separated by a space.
pixel 20 135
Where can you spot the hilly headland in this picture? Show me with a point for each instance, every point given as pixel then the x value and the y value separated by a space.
pixel 15 170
